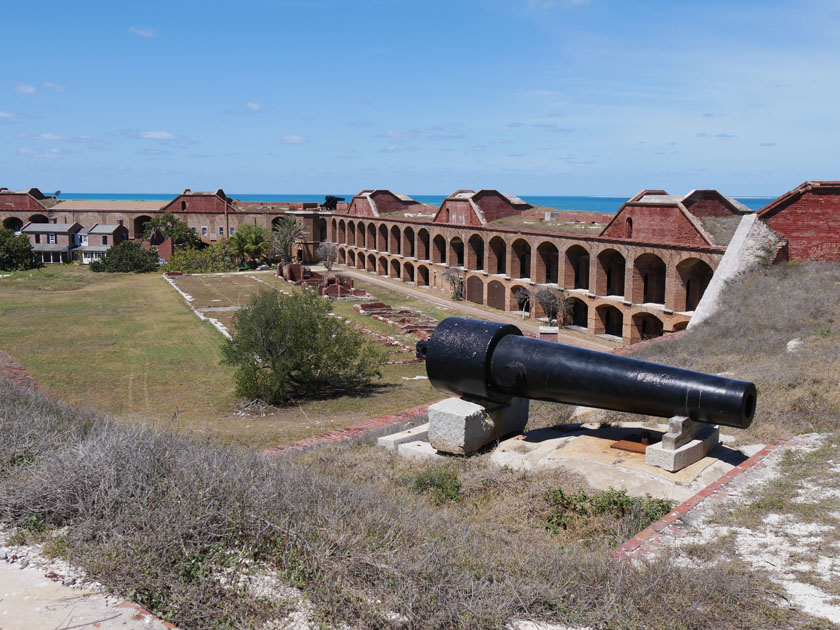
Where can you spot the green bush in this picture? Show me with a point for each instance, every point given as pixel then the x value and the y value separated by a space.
pixel 15 252
pixel 215 258
pixel 440 482
pixel 568 508
pixel 292 348
pixel 127 257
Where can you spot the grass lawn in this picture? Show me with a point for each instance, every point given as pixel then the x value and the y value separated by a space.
pixel 127 345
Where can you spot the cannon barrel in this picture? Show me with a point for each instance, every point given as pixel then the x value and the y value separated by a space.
pixel 494 361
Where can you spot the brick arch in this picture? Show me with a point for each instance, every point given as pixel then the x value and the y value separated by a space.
pixel 456 252
pixel 496 256
pixel 645 326
pixel 395 242
pixel 12 223
pixel 609 272
pixel 577 268
pixel 341 234
pixel 370 236
pixel 334 225
pixel 649 273
pixel 693 277
pixel 496 295
pixel 38 218
pixel 422 275
pixel 361 228
pixel 475 289
pixel 394 271
pixel 610 321
pixel 548 262
pixel 322 230
pixel 382 238
pixel 360 261
pixel 371 263
pixel 475 253
pixel 382 266
pixel 408 273
pixel 423 244
pixel 579 313
pixel 342 256
pixel 408 242
pixel 517 299
pixel 351 232
pixel 139 225
pixel 439 249
pixel 520 259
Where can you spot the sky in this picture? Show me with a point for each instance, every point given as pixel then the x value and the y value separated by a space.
pixel 531 97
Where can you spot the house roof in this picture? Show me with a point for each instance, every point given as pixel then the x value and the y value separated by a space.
pixel 32 228
pixel 793 195
pixel 100 205
pixel 93 248
pixel 33 192
pixel 46 247
pixel 102 228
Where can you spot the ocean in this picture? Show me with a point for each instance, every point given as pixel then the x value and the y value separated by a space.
pixel 607 205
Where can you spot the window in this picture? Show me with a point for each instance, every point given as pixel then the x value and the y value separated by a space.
pixel 104 239
pixel 183 206
pixel 37 238
pixel 84 239
pixel 51 239
pixel 204 230
pixel 232 231
pixel 221 231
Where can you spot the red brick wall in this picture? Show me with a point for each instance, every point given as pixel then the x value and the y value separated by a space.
pixel 708 208
pixel 11 202
pixel 656 224
pixel 360 207
pixel 196 203
pixel 387 203
pixel 457 212
pixel 812 226
pixel 494 206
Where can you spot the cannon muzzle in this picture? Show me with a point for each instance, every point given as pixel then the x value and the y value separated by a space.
pixel 493 361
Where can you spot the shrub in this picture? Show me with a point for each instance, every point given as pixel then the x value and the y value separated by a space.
pixel 215 258
pixel 327 253
pixel 578 507
pixel 15 252
pixel 172 227
pixel 296 348
pixel 127 257
pixel 440 482
pixel 249 244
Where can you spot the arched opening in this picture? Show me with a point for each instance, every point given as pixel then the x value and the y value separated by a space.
pixel 520 260
pixel 547 263
pixel 695 276
pixel 322 230
pixel 370 242
pixel 408 243
pixel 422 244
pixel 38 218
pixel 183 206
pixel 408 273
pixel 609 277
pixel 382 240
pixel 334 225
pixel 371 263
pixel 649 280
pixel 360 262
pixel 439 249
pixel 475 253
pixel 394 245
pixel 456 252
pixel 645 326
pixel 382 266
pixel 351 258
pixel 12 223
pixel 140 225
pixel 275 222
pixel 351 232
pixel 342 256
pixel 497 256
pixel 342 232
pixel 680 325
pixel 475 290
pixel 580 313
pixel 359 241
pixel 577 268
pixel 423 275
pixel 496 295
pixel 395 269
pixel 520 299
pixel 610 321
pixel 628 228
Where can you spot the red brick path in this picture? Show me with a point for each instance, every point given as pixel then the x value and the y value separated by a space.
pixel 15 373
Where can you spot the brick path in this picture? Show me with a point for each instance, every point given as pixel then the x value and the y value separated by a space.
pixel 15 373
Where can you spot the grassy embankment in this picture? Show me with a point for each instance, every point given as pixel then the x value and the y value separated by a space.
pixel 128 346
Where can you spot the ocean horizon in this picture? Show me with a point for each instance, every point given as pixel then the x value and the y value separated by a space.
pixel 587 203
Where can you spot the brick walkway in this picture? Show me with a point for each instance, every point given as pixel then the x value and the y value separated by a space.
pixel 15 373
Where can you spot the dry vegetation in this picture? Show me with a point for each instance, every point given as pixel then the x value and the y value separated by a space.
pixel 180 525
pixel 722 229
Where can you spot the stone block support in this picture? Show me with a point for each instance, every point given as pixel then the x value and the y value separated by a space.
pixel 462 426
pixel 685 443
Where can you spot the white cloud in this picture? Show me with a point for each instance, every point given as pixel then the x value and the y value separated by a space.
pixel 143 32
pixel 157 135
pixel 253 105
pixel 49 154
pixel 51 136
pixel 54 86
pixel 23 88
pixel 4 114
pixel 292 139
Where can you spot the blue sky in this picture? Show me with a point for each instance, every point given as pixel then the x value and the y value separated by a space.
pixel 533 97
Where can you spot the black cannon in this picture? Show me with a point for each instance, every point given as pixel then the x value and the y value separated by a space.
pixel 331 202
pixel 491 361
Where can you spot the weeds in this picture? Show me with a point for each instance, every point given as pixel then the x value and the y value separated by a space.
pixel 440 482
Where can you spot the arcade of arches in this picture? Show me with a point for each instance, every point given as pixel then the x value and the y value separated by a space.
pixel 619 288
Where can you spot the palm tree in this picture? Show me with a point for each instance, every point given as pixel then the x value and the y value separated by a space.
pixel 249 243
pixel 286 231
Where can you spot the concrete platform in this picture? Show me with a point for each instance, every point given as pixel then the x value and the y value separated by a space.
pixel 586 449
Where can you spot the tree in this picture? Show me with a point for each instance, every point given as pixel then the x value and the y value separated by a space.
pixel 217 257
pixel 249 243
pixel 127 257
pixel 286 231
pixel 327 253
pixel 523 298
pixel 16 252
pixel 456 284
pixel 549 302
pixel 172 227
pixel 292 348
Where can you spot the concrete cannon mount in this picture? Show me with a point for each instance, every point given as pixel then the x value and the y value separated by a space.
pixel 586 448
